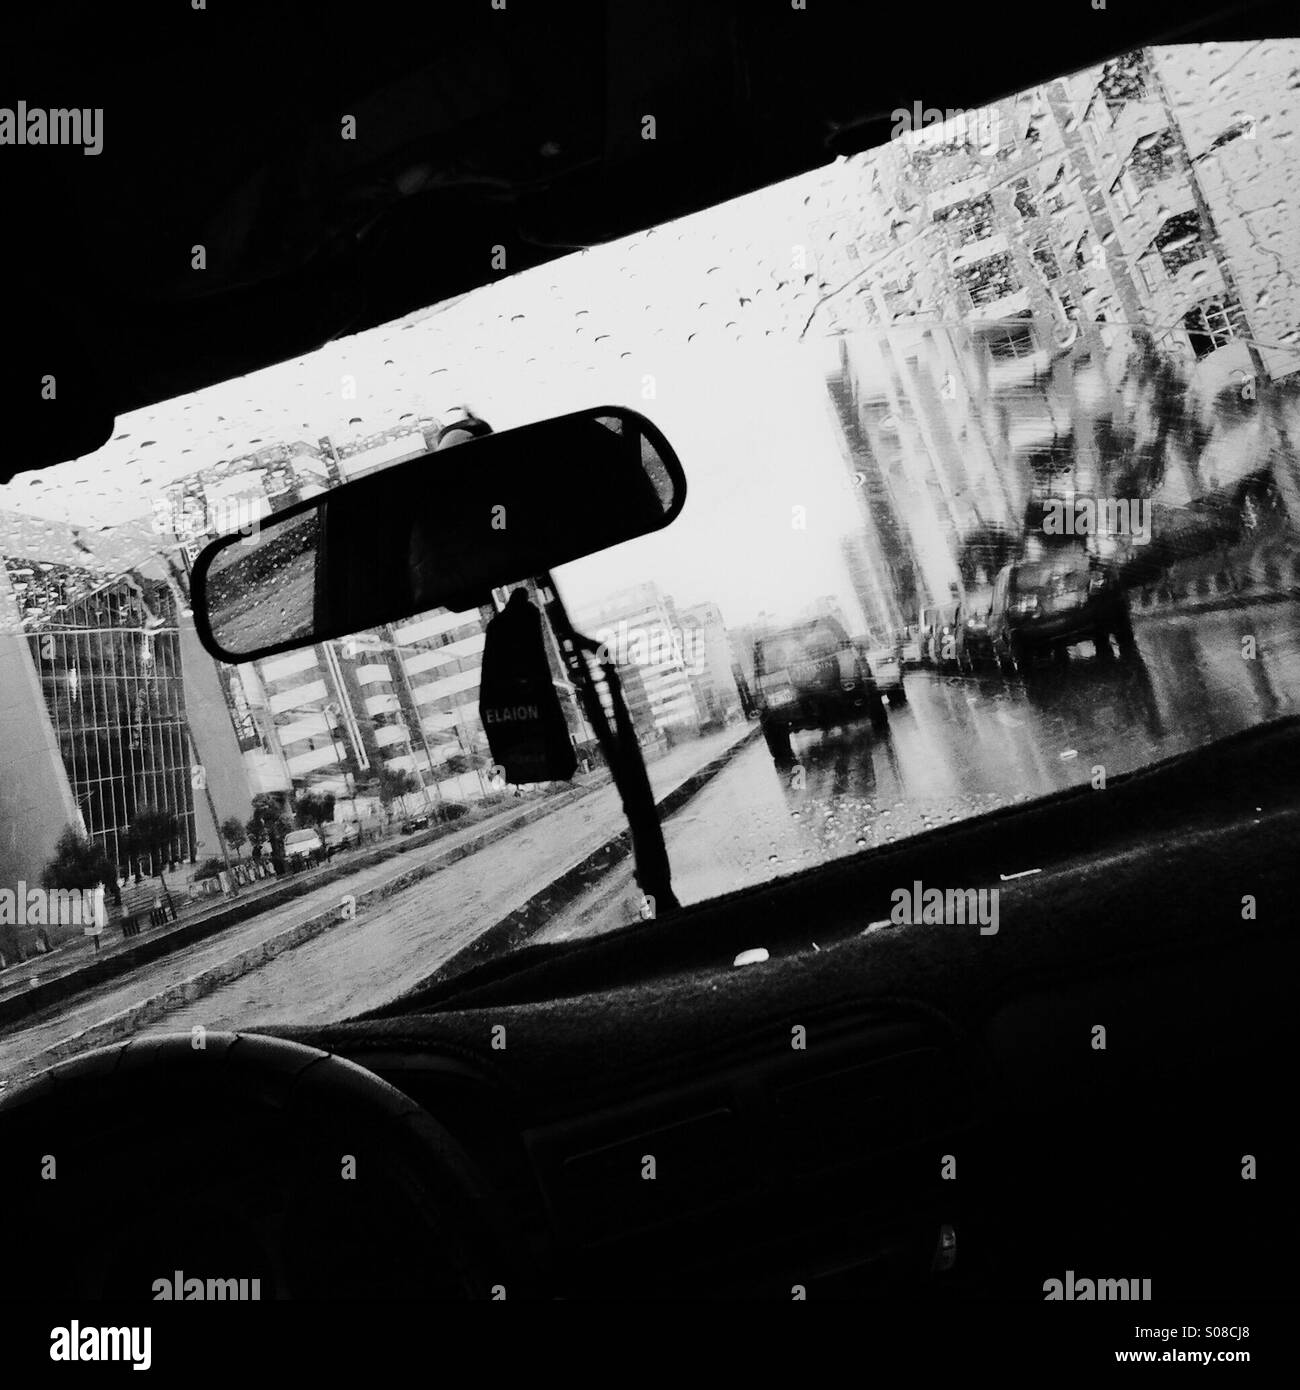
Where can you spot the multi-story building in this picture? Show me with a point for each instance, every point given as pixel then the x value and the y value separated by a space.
pixel 707 648
pixel 384 450
pixel 1009 285
pixel 433 687
pixel 110 706
pixel 108 661
pixel 1187 149
pixel 641 629
pixel 330 717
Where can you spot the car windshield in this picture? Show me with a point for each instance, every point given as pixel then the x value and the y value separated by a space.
pixel 1068 322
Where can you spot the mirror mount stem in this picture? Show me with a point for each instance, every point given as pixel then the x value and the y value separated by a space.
pixel 653 872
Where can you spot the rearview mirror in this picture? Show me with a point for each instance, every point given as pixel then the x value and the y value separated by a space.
pixel 439 531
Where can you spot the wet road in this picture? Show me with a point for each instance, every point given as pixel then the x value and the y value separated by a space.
pixel 965 745
pixel 959 747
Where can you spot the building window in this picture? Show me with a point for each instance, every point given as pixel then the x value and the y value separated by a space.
pixel 1046 261
pixel 1024 199
pixel 1179 242
pixel 1123 80
pixel 968 221
pixel 1154 159
pixel 1152 275
pixel 1011 342
pixel 1212 324
pixel 988 280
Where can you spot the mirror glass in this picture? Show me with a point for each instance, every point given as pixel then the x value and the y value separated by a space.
pixel 440 530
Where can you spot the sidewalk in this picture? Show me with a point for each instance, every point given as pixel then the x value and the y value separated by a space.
pixel 1267 571
pixel 78 952
pixel 42 981
pixel 379 953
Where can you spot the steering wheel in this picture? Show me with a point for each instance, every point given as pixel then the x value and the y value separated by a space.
pixel 192 1165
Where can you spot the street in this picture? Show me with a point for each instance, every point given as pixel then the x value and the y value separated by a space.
pixel 961 746
pixel 379 954
pixel 965 745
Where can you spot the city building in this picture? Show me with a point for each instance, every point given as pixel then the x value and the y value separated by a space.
pixel 707 648
pixel 1187 150
pixel 109 705
pixel 641 629
pixel 983 292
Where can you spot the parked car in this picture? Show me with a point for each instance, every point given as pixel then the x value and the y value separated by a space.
pixel 303 847
pixel 420 821
pixel 1041 606
pixel 886 670
pixel 341 834
pixel 943 638
pixel 811 676
pixel 978 645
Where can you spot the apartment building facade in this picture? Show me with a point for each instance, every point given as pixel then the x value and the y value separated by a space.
pixel 642 630
pixel 988 290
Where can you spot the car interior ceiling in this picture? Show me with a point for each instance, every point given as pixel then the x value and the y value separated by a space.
pixel 307 243
pixel 651 1037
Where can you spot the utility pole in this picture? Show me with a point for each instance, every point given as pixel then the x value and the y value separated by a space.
pixel 332 714
pixel 392 644
pixel 212 808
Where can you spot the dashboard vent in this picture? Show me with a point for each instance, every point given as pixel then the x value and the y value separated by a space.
pixel 863 1112
pixel 654 1177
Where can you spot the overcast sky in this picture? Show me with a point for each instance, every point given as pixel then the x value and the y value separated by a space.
pixel 694 324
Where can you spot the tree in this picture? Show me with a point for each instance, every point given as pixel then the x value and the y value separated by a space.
pixel 269 824
pixel 152 834
pixel 234 834
pixel 395 782
pixel 1161 424
pixel 257 835
pixel 984 550
pixel 78 862
pixel 314 808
